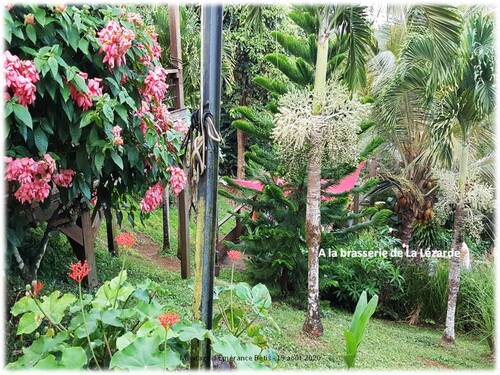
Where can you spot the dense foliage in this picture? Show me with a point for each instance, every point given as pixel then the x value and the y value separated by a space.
pixel 87 114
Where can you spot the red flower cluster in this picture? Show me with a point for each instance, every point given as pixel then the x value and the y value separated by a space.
pixel 180 126
pixel 115 41
pixel 78 271
pixel 84 99
pixel 234 255
pixel 177 179
pixel 64 177
pixel 168 319
pixel 34 177
pixel 36 286
pixel 125 239
pixel 20 78
pixel 152 199
pixel 155 85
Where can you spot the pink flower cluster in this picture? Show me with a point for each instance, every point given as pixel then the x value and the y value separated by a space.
pixel 135 18
pixel 64 177
pixel 82 99
pixel 152 52
pixel 115 41
pixel 34 177
pixel 177 179
pixel 20 78
pixel 180 126
pixel 117 134
pixel 152 199
pixel 161 117
pixel 155 86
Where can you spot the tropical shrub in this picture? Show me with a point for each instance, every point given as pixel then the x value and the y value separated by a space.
pixel 86 112
pixel 344 279
pixel 476 301
pixel 122 326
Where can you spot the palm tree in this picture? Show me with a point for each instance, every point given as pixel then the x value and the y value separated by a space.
pixel 403 77
pixel 466 102
pixel 334 21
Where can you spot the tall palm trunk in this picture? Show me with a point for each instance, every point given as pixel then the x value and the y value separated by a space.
pixel 454 268
pixel 312 324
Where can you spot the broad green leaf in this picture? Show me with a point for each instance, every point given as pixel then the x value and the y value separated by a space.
pixel 31 33
pixel 73 358
pixel 54 66
pixel 29 322
pixel 98 161
pixel 117 159
pixel 108 112
pixel 142 354
pixel 83 44
pixel 55 305
pixel 41 140
pixel 48 363
pixel 261 296
pixel 188 332
pixel 87 118
pixel 25 304
pixel 124 340
pixel 23 115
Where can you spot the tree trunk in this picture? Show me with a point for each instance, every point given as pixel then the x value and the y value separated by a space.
pixel 406 229
pixel 312 324
pixel 240 140
pixel 453 279
pixel 240 167
pixel 454 268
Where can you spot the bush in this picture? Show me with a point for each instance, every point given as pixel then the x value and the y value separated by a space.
pixel 124 326
pixel 476 301
pixel 343 280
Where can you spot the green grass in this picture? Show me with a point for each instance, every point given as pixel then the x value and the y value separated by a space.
pixel 387 344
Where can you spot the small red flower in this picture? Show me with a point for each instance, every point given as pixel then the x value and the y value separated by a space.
pixel 37 286
pixel 234 255
pixel 168 319
pixel 125 239
pixel 78 271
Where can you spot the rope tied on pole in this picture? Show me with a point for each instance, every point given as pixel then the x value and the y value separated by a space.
pixel 197 139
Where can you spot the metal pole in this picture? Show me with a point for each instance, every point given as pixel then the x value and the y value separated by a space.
pixel 211 37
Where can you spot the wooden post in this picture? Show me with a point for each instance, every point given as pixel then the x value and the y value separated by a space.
pixel 88 244
pixel 166 218
pixel 183 202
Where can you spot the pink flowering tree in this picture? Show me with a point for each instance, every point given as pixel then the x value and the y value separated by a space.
pixel 86 106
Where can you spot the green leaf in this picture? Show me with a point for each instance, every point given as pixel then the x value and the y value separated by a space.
pixel 87 118
pixel 40 15
pixel 73 358
pixel 188 332
pixel 55 305
pixel 83 44
pixel 117 159
pixel 25 304
pixel 22 114
pixel 173 359
pixel 261 296
pixel 31 33
pixel 41 140
pixel 122 112
pixel 48 363
pixel 98 161
pixel 29 322
pixel 108 112
pixel 124 340
pixel 54 66
pixel 141 354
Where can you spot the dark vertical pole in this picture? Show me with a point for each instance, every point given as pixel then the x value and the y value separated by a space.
pixel 211 34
